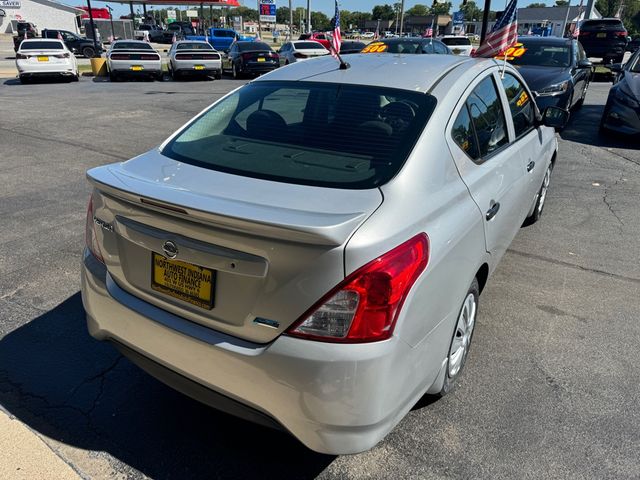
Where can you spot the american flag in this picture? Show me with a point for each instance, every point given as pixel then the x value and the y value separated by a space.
pixel 336 38
pixel 428 32
pixel 576 28
pixel 503 34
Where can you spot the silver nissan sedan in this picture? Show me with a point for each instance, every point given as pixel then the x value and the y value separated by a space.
pixel 308 252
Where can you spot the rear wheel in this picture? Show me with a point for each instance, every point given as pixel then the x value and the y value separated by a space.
pixel 113 76
pixel 88 52
pixel 234 72
pixel 461 339
pixel 218 76
pixel 24 80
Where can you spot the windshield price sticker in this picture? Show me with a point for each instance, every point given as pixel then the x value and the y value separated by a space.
pixel 523 99
pixel 374 47
pixel 512 52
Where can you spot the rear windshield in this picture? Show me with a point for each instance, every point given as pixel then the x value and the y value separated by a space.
pixel 253 46
pixel 611 24
pixel 41 46
pixel 308 46
pixel 194 46
pixel 310 133
pixel 543 55
pixel 132 46
pixel 224 33
pixel 456 41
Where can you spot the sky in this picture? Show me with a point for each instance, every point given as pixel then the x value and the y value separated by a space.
pixel 326 6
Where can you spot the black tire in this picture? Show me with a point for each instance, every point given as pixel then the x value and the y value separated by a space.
pixel 218 76
pixel 541 199
pixel 113 76
pixel 461 338
pixel 88 52
pixel 234 72
pixel 24 80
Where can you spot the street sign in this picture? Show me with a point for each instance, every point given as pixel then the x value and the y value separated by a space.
pixel 192 13
pixel 171 14
pixel 10 3
pixel 267 11
pixel 458 18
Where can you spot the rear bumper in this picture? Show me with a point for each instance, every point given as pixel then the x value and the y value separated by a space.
pixel 258 68
pixel 148 67
pixel 26 69
pixel 334 399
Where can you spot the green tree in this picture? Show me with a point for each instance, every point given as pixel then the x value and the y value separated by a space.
pixel 535 5
pixel 562 3
pixel 282 15
pixel 247 14
pixel 319 21
pixel 471 11
pixel 440 8
pixel 418 10
pixel 383 12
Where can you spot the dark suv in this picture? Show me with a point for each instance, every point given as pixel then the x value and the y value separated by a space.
pixel 605 38
pixel 77 44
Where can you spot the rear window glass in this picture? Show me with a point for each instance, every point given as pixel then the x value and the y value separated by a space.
pixel 602 25
pixel 132 46
pixel 308 46
pixel 311 133
pixel 253 46
pixel 41 46
pixel 456 41
pixel 224 33
pixel 194 46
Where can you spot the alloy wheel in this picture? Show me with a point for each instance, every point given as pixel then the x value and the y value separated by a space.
pixel 462 335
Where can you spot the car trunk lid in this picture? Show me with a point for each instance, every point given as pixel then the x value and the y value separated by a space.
pixel 267 250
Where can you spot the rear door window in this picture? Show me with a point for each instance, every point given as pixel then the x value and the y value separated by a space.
pixel 311 133
pixel 520 105
pixel 487 117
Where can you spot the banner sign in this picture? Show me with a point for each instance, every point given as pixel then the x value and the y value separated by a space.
pixel 458 18
pixel 10 3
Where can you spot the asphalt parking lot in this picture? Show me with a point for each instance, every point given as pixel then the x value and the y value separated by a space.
pixel 551 388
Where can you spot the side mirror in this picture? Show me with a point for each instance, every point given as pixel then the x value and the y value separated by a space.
pixel 585 64
pixel 615 67
pixel 555 117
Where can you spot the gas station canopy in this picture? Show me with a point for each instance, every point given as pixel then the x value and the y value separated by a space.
pixel 208 3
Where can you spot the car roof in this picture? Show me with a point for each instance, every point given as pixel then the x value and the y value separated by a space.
pixel 191 41
pixel 546 40
pixel 409 72
pixel 142 42
pixel 38 39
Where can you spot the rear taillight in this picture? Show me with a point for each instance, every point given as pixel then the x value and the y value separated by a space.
pixel 365 306
pixel 120 56
pixel 149 57
pixel 621 34
pixel 247 56
pixel 90 233
pixel 473 52
pixel 299 55
pixel 584 34
pixel 63 55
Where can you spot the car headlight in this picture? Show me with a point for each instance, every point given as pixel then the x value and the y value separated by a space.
pixel 555 89
pixel 625 98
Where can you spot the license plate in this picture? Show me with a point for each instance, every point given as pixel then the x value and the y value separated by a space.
pixel 43 59
pixel 602 35
pixel 182 280
pixel 262 59
pixel 198 67
pixel 137 68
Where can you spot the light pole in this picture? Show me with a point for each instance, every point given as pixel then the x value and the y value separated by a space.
pixel 290 20
pixel 401 17
pixel 92 26
pixel 113 35
pixel 259 22
pixel 309 30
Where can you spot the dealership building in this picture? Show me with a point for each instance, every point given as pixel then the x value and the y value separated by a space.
pixel 42 13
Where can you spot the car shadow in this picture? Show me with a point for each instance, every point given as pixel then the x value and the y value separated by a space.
pixel 64 384
pixel 584 127
pixel 12 81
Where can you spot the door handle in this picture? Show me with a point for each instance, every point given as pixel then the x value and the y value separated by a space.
pixel 530 165
pixel 492 211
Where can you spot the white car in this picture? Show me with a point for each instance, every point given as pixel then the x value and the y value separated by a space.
pixel 296 51
pixel 368 35
pixel 458 44
pixel 133 58
pixel 39 57
pixel 188 57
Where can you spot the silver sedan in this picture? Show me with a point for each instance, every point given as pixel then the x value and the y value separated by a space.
pixel 309 254
pixel 188 57
pixel 133 58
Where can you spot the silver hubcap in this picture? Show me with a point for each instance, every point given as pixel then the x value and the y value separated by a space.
pixel 543 190
pixel 462 335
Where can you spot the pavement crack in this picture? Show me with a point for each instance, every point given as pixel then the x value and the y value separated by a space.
pixel 575 266
pixel 67 142
pixel 101 376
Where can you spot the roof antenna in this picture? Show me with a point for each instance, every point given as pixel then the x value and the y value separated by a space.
pixel 336 40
